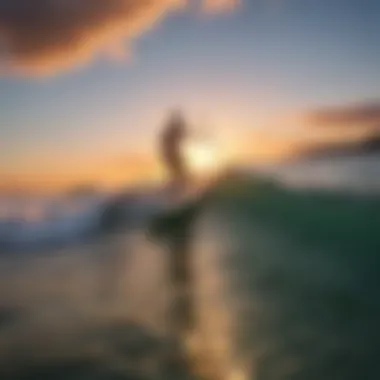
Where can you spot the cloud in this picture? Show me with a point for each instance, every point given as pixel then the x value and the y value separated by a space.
pixel 220 5
pixel 363 115
pixel 264 146
pixel 46 36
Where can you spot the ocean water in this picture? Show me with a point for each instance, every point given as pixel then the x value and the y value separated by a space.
pixel 286 284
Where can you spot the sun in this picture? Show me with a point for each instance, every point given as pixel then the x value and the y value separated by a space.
pixel 201 157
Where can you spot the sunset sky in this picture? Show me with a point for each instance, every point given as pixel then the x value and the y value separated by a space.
pixel 85 86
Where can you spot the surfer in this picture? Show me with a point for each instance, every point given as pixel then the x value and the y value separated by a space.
pixel 172 140
pixel 176 236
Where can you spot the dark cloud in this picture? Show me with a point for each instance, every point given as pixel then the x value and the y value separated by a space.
pixel 354 115
pixel 50 35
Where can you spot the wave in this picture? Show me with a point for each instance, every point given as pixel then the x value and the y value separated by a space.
pixel 28 223
pixel 285 282
pixel 46 220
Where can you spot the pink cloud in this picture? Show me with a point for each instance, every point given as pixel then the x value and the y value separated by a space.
pixel 349 115
pixel 46 36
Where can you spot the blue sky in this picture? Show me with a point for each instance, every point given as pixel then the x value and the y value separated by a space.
pixel 233 71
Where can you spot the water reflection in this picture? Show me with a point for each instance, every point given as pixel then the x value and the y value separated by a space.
pixel 90 311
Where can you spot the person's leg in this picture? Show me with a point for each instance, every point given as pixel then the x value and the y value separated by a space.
pixel 178 174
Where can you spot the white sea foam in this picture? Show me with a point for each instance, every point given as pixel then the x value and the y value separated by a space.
pixel 29 221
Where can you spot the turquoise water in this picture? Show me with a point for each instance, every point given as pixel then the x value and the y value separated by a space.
pixel 286 287
pixel 298 283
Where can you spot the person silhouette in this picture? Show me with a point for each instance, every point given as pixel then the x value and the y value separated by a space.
pixel 172 139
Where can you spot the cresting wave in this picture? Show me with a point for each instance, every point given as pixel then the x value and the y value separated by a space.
pixel 27 223
pixel 39 221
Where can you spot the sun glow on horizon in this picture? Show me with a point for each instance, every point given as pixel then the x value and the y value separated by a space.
pixel 202 156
